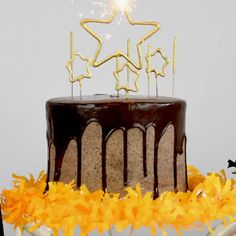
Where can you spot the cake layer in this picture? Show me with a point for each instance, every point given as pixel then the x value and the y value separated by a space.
pixel 110 143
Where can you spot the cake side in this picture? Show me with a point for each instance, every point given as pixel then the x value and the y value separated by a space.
pixel 114 143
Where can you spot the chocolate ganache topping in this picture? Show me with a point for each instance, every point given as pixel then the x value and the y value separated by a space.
pixel 67 118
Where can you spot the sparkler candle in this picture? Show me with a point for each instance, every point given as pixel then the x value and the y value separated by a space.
pixel 71 57
pixel 124 5
pixel 132 65
pixel 148 70
pixel 85 23
pixel 127 88
pixel 70 66
pixel 128 54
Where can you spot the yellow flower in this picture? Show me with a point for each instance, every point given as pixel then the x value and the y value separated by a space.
pixel 17 203
pixel 194 178
pixel 211 197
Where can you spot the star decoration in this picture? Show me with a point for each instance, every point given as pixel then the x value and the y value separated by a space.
pixel 118 53
pixel 70 64
pixel 150 70
pixel 126 88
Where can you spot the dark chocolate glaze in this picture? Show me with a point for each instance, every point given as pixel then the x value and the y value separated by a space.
pixel 67 118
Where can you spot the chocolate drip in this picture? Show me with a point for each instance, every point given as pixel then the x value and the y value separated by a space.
pixel 145 154
pixel 155 166
pixel 68 118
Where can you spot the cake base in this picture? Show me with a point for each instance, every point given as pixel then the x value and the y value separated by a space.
pixel 113 143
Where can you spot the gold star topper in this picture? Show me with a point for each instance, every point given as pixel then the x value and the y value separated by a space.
pixel 118 53
pixel 131 64
pixel 80 77
pixel 70 65
pixel 127 88
pixel 150 69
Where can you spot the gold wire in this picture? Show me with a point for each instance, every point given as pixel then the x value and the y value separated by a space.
pixel 148 69
pixel 128 54
pixel 71 56
pixel 117 78
pixel 70 65
pixel 161 73
pixel 119 53
pixel 79 78
pixel 129 68
pixel 126 88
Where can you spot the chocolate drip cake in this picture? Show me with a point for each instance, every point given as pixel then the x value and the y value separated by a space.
pixel 111 143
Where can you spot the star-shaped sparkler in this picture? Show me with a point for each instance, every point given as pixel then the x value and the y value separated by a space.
pixel 156 71
pixel 70 65
pixel 131 64
pixel 150 69
pixel 127 87
pixel 118 53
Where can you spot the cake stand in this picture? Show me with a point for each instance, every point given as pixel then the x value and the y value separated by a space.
pixel 220 230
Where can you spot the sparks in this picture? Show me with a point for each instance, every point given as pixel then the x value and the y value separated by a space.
pixel 124 5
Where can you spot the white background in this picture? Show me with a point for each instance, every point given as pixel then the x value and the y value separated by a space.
pixel 34 47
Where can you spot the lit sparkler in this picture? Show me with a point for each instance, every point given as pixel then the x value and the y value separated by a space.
pixel 124 5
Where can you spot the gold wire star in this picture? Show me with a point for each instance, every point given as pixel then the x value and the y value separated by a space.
pixel 150 70
pixel 126 88
pixel 157 72
pixel 70 64
pixel 119 53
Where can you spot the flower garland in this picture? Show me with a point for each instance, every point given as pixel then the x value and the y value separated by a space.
pixel 209 198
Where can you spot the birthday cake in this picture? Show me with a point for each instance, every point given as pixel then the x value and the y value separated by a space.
pixel 117 163
pixel 110 143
